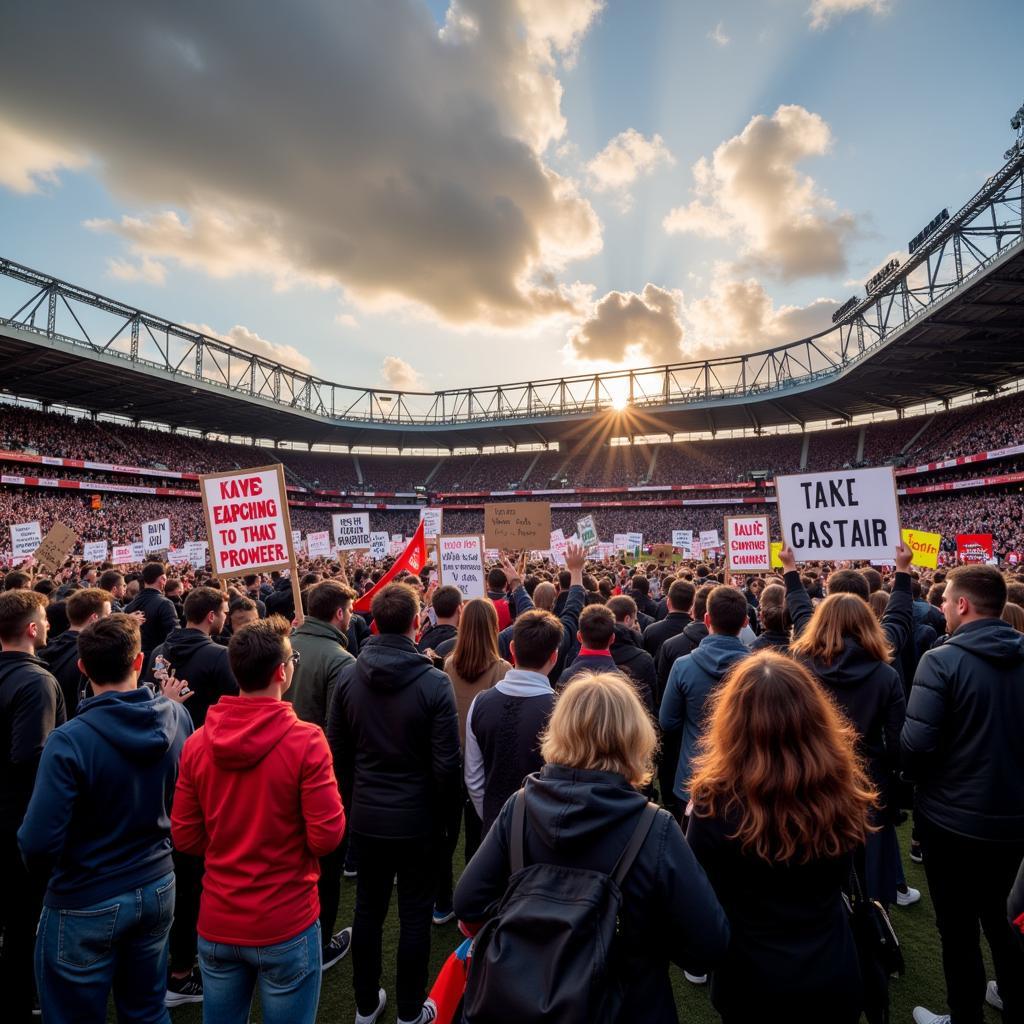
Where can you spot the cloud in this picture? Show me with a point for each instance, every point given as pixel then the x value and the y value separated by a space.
pixel 28 162
pixel 146 269
pixel 398 374
pixel 346 320
pixel 626 157
pixel 629 327
pixel 242 337
pixel 822 12
pixel 406 165
pixel 751 190
pixel 717 35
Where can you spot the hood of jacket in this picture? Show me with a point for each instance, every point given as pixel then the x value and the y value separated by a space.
pixel 324 630
pixel 435 635
pixel 61 647
pixel 140 725
pixel 696 631
pixel 995 641
pixel 716 653
pixel 391 663
pixel 852 667
pixel 182 644
pixel 626 637
pixel 242 730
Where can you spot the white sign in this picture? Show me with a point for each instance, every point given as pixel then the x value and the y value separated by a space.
pixel 319 544
pixel 25 538
pixel 747 544
pixel 620 541
pixel 195 552
pixel 709 540
pixel 847 513
pixel 95 551
pixel 431 518
pixel 122 554
pixel 557 546
pixel 604 550
pixel 461 563
pixel 156 536
pixel 177 556
pixel 682 539
pixel 352 531
pixel 379 544
pixel 247 520
pixel 138 551
pixel 296 539
pixel 587 531
pixel 635 541
pixel 397 547
pixel 696 549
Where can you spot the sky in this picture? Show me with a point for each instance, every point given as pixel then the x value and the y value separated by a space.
pixel 424 194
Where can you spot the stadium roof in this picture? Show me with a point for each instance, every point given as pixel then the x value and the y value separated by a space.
pixel 949 321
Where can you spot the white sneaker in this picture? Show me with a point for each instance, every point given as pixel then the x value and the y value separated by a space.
pixel 427 1014
pixel 371 1018
pixel 908 898
pixel 923 1016
pixel 695 979
pixel 992 996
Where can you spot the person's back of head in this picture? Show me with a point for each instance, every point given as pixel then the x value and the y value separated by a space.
pixel 772 609
pixel 935 594
pixel 110 580
pixel 1013 614
pixel 201 603
pixel 1015 592
pixel 564 579
pixel 395 609
pixel 19 610
pixel 16 580
pixel 476 646
pixel 622 607
pixel 496 579
pixel 597 627
pixel 257 651
pixel 84 605
pixel 973 592
pixel 545 595
pixel 878 602
pixel 45 587
pixel 446 602
pixel 874 579
pixel 536 637
pixel 849 581
pixel 838 618
pixel 325 599
pixel 726 610
pixel 152 572
pixel 681 595
pixel 641 584
pixel 700 602
pixel 110 651
pixel 811 803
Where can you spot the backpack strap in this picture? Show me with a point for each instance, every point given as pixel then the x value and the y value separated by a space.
pixel 643 826
pixel 518 832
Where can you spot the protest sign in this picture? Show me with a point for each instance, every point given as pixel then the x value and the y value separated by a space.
pixel 156 536
pixel 620 541
pixel 635 542
pixel 696 548
pixel 460 562
pixel 177 556
pixel 925 547
pixel 682 539
pixel 56 546
pixel 431 519
pixel 296 539
pixel 556 545
pixel 95 551
pixel 379 545
pixel 351 531
pixel 587 531
pixel 517 524
pixel 709 540
pixel 195 552
pixel 974 547
pixel 849 513
pixel 604 550
pixel 138 551
pixel 25 538
pixel 776 547
pixel 122 554
pixel 397 546
pixel 663 552
pixel 319 544
pixel 747 544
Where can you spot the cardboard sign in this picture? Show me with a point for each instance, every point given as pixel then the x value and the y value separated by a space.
pixel 25 538
pixel 460 562
pixel 925 547
pixel 431 519
pixel 848 513
pixel 352 531
pixel 195 552
pixel 56 546
pixel 247 520
pixel 974 547
pixel 587 531
pixel 379 541
pixel 776 547
pixel 747 544
pixel 156 536
pixel 95 551
pixel 709 540
pixel 319 544
pixel 122 554
pixel 663 552
pixel 517 525
pixel 682 539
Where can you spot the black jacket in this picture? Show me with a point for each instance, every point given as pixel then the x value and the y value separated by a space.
pixel 282 600
pixel 645 604
pixel 31 707
pixel 583 819
pixel 568 615
pixel 658 632
pixel 436 635
pixel 394 734
pixel 161 618
pixel 61 655
pixel 358 633
pixel 771 640
pixel 634 660
pixel 201 661
pixel 598 663
pixel 676 647
pixel 962 739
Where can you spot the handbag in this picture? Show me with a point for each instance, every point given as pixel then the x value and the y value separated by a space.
pixel 878 949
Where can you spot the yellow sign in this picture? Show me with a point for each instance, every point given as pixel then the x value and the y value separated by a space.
pixel 925 547
pixel 776 548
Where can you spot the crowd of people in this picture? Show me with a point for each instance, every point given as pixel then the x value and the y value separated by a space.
pixel 647 764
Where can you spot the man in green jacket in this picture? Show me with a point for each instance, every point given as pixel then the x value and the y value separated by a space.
pixel 321 644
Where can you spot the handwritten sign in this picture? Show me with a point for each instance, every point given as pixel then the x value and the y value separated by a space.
pixel 25 538
pixel 95 551
pixel 195 552
pixel 587 531
pixel 747 544
pixel 431 519
pixel 56 546
pixel 663 552
pixel 156 536
pixel 138 551
pixel 709 540
pixel 460 562
pixel 122 554
pixel 379 542
pixel 682 539
pixel 351 531
pixel 319 544
pixel 925 547
pixel 517 525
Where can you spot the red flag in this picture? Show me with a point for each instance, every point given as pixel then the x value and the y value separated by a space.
pixel 412 559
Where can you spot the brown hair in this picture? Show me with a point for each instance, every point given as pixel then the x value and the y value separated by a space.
pixel 108 647
pixel 536 635
pixel 878 602
pixel 82 605
pixel 727 609
pixel 324 599
pixel 621 607
pixel 16 610
pixel 982 585
pixel 779 759
pixel 394 607
pixel 837 617
pixel 772 609
pixel 476 644
pixel 255 651
pixel 1014 615
pixel 599 724
pixel 597 627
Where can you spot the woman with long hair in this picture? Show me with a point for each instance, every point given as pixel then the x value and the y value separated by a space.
pixel 844 646
pixel 780 801
pixel 776 625
pixel 581 810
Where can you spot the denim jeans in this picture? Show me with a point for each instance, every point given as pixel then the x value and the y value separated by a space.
pixel 119 943
pixel 287 974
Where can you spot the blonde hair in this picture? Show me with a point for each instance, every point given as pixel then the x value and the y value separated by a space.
pixel 837 617
pixel 599 724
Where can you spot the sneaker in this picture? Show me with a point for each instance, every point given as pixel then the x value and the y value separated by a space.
pixel 923 1016
pixel 915 852
pixel 349 873
pixel 992 996
pixel 184 990
pixel 336 949
pixel 371 1018
pixel 427 1014
pixel 695 979
pixel 909 897
pixel 443 916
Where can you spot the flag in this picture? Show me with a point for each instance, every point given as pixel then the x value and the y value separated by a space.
pixel 411 560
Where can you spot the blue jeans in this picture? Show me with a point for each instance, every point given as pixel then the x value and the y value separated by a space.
pixel 288 975
pixel 119 943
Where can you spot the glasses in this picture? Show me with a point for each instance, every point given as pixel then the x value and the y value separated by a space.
pixel 293 659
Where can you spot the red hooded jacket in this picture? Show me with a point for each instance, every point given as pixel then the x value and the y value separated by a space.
pixel 257 797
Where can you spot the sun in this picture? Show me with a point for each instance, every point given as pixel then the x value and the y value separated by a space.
pixel 620 402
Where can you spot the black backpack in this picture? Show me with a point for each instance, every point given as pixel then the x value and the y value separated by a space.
pixel 550 951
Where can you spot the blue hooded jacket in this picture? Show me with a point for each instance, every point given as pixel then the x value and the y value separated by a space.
pixel 100 814
pixel 683 707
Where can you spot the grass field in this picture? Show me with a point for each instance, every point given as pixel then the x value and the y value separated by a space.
pixel 922 983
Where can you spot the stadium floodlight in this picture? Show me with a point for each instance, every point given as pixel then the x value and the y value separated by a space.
pixel 1017 119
